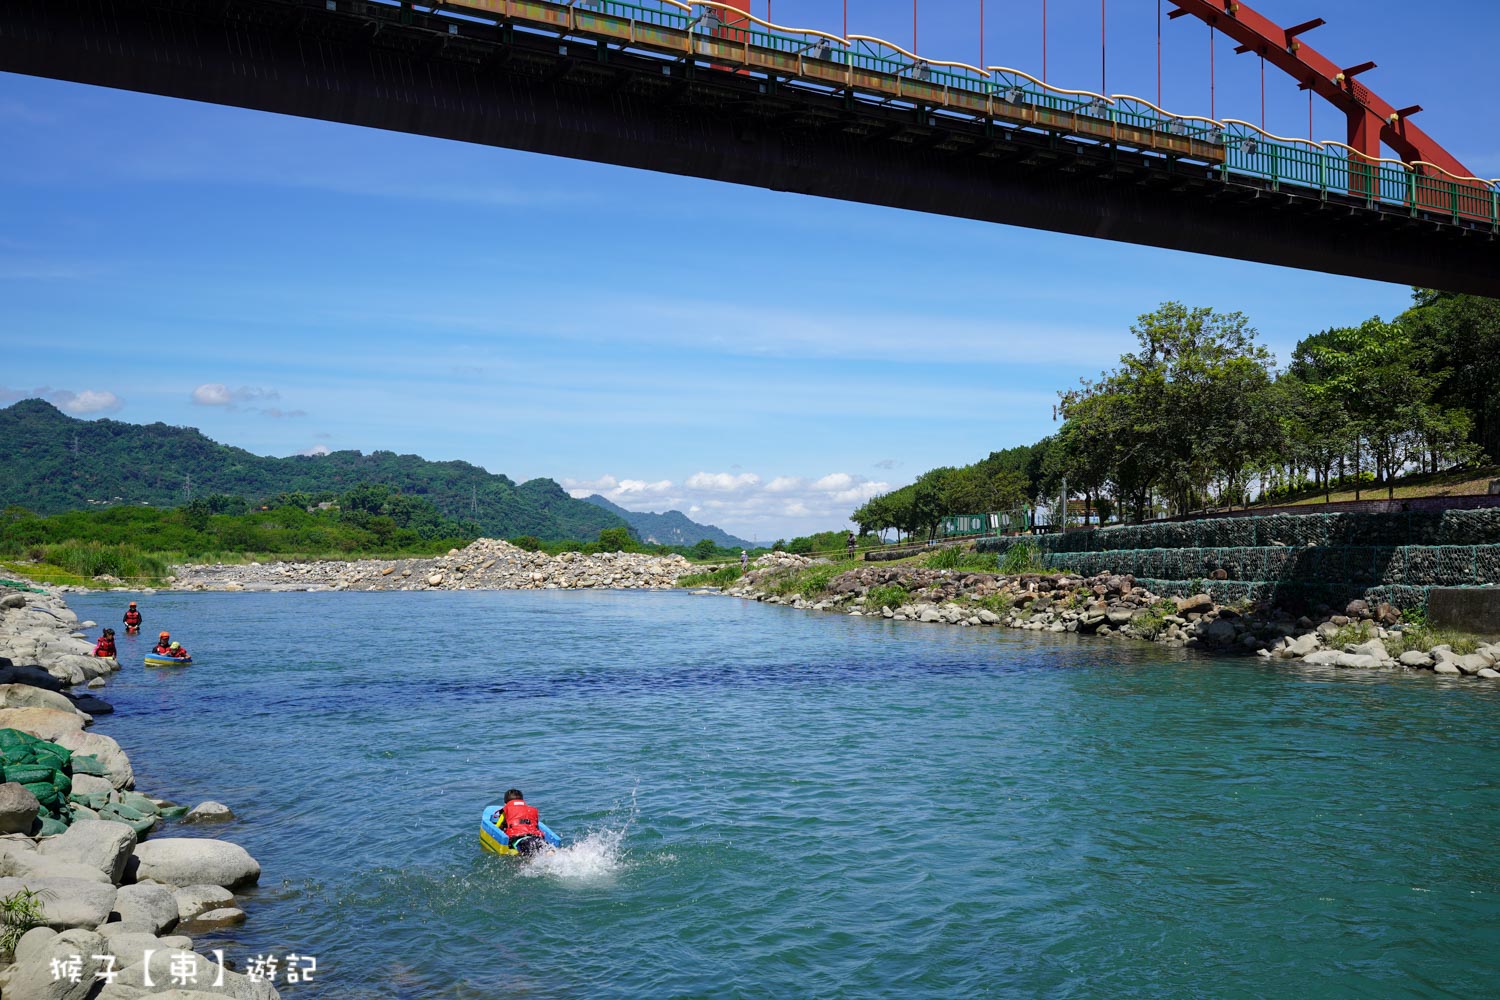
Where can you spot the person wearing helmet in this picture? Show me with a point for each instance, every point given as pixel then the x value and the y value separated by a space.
pixel 106 644
pixel 177 652
pixel 132 620
pixel 164 644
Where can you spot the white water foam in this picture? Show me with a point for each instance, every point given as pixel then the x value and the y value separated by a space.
pixel 596 856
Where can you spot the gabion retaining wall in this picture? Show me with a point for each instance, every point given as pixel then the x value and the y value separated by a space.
pixel 1289 559
pixel 1451 527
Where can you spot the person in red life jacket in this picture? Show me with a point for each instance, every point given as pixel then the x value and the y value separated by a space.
pixel 164 644
pixel 521 824
pixel 132 619
pixel 176 652
pixel 106 644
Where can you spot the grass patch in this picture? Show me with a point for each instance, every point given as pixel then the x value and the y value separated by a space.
pixel 957 557
pixel 809 581
pixel 890 595
pixel 53 576
pixel 19 913
pixel 1023 557
pixel 1153 621
pixel 1000 604
pixel 1424 638
pixel 722 577
pixel 1350 635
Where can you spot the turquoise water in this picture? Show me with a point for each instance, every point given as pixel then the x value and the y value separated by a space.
pixel 763 802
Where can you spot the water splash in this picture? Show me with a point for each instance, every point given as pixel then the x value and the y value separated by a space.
pixel 596 856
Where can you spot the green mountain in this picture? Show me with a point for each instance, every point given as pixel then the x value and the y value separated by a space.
pixel 51 462
pixel 671 528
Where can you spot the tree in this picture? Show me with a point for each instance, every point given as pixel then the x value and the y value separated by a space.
pixel 615 540
pixel 704 549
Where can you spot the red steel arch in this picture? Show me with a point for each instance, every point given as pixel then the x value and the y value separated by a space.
pixel 1371 119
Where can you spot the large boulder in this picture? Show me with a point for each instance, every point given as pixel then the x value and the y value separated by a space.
pixel 30 674
pixel 1219 632
pixel 20 859
pixel 96 843
pixel 200 974
pixel 189 861
pixel 1303 645
pixel 212 920
pixel 66 902
pixel 195 899
pixel 18 808
pixel 48 723
pixel 1372 647
pixel 1196 604
pixel 37 977
pixel 152 908
pixel 209 812
pixel 1471 664
pixel 107 751
pixel 28 696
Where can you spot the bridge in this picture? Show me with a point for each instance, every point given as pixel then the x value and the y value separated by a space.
pixel 711 91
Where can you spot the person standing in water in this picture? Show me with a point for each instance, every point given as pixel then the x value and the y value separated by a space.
pixel 106 644
pixel 132 619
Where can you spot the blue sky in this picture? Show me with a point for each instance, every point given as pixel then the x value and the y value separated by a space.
pixel 761 361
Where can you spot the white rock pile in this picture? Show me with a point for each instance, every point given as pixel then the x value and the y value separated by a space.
pixel 487 564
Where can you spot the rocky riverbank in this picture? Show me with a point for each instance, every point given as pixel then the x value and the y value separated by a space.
pixel 113 906
pixel 1110 605
pixel 486 564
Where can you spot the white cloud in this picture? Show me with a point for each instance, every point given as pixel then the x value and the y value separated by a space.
pixel 722 482
pixel 743 503
pixel 80 403
pixel 219 394
pixel 315 450
pixel 620 491
pixel 86 402
pixel 834 482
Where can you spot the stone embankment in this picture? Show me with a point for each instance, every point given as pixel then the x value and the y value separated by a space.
pixel 1359 635
pixel 487 564
pixel 115 912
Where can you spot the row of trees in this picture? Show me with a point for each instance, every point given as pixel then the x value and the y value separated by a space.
pixel 1199 414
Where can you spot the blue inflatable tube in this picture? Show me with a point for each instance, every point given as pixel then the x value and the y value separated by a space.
pixel 493 839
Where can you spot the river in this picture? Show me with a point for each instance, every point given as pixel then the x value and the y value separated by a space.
pixel 762 802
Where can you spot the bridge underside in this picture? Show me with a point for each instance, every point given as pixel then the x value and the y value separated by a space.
pixel 370 65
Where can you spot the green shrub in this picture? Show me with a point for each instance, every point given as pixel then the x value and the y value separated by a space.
pixel 891 595
pixel 1423 638
pixel 957 557
pixel 1153 621
pixel 1024 557
pixel 19 913
pixel 530 543
pixel 91 559
pixel 1349 635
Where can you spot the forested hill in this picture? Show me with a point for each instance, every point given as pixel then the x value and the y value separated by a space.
pixel 671 528
pixel 50 463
